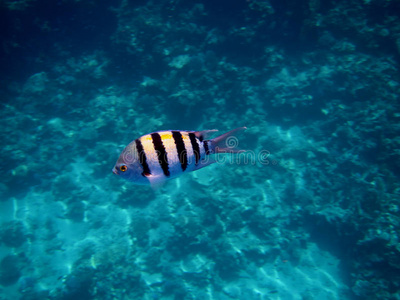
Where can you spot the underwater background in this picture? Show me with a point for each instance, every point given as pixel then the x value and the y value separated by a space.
pixel 314 214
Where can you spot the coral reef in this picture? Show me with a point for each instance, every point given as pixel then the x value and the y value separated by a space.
pixel 310 212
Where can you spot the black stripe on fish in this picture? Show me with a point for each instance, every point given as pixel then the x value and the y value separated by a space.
pixel 195 146
pixel 161 153
pixel 142 158
pixel 180 148
pixel 206 149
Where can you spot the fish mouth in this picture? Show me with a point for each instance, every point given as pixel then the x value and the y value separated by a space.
pixel 114 170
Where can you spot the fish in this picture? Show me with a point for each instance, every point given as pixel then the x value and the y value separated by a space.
pixel 157 157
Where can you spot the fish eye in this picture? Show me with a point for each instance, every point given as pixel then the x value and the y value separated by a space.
pixel 123 168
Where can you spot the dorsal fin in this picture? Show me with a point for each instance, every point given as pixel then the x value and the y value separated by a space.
pixel 204 134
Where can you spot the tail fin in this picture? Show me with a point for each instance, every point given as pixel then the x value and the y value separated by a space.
pixel 226 143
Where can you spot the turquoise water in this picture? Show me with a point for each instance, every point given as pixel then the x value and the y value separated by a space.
pixel 310 211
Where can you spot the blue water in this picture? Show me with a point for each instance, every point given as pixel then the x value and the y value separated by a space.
pixel 312 211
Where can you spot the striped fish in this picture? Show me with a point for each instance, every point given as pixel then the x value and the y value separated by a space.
pixel 158 156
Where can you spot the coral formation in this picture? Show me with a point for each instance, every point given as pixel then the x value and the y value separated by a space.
pixel 310 212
